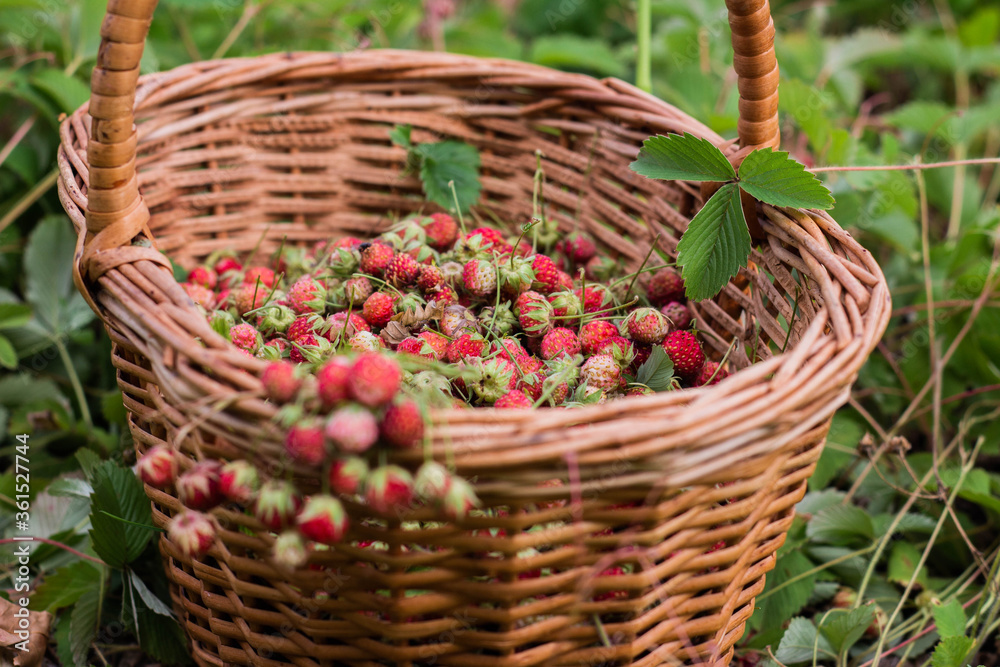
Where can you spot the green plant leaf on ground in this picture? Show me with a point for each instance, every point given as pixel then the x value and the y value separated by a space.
pixel 843 628
pixel 903 564
pixel 802 643
pixel 715 245
pixel 577 53
pixel 8 355
pixel 682 158
pixel 118 492
pixel 657 372
pixel 949 617
pixel 65 586
pixel 67 91
pixel 788 596
pixel 48 260
pixel 839 524
pixel 153 603
pixel 775 178
pixel 83 624
pixel 445 162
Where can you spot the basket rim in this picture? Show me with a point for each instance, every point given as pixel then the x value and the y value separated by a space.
pixel 852 340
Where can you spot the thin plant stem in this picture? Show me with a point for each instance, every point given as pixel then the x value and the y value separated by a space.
pixel 60 545
pixel 29 198
pixel 908 167
pixel 644 30
pixel 74 380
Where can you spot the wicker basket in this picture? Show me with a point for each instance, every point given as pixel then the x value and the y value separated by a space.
pixel 690 492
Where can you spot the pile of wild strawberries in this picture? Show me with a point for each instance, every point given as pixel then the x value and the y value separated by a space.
pixel 365 337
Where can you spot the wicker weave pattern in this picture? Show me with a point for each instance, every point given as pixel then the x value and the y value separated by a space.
pixel 691 491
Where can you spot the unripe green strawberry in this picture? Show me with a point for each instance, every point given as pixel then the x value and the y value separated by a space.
pixel 603 372
pixel 403 424
pixel 289 551
pixel 432 482
pixel 516 275
pixel 307 295
pixel 366 341
pixel 645 325
pixel 192 532
pixel 496 377
pixel 560 342
pixel 272 350
pixel 275 319
pixel 565 305
pixel 304 443
pixel 500 319
pixel 685 351
pixel 347 475
pixel 281 381
pixel 352 429
pixel 277 504
pixel 221 322
pixel 323 520
pixel 239 482
pixel 389 489
pixel 479 277
pixel 374 379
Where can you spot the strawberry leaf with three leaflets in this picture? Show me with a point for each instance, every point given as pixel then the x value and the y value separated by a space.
pixel 682 158
pixel 715 245
pixel 775 178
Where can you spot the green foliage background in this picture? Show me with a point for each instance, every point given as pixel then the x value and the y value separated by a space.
pixel 906 518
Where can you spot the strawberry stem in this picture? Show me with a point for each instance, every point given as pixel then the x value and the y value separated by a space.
pixel 649 254
pixel 458 209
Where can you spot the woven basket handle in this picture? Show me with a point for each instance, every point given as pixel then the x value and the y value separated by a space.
pixel 116 212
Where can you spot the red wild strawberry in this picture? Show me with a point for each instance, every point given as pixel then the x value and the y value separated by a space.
pixel 611 595
pixel 443 296
pixel 332 381
pixel 277 504
pixel 594 334
pixel 402 271
pixel 457 319
pixel 375 258
pixel 489 239
pixel 415 347
pixel 593 296
pixel 403 425
pixel 198 488
pixel 530 364
pixel 307 295
pixel 239 482
pixel 223 299
pixel 358 289
pixel 547 279
pixel 289 551
pixel 564 281
pixel 479 278
pixel 664 286
pixel 157 467
pixel 437 342
pixel 603 372
pixel 192 532
pixel 509 349
pixel 352 429
pixel 348 475
pixel 459 499
pixel 711 373
pixel 565 305
pixel 640 355
pixel 646 325
pixel 260 274
pixel 560 342
pixel 534 313
pixel 515 399
pixel 685 351
pixel 281 381
pixel 323 520
pixel 677 314
pixel 374 379
pixel 578 248
pixel 204 276
pixel 379 309
pixel 200 294
pixel 465 346
pixel 245 337
pixel 227 264
pixel 389 488
pixel 305 444
pixel 341 326
pixel 432 482
pixel 302 326
pixel 430 278
pixel 308 348
pixel 441 230
pixel 346 242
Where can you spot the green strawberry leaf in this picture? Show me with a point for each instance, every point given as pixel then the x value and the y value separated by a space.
pixel 949 618
pixel 8 355
pixel 715 245
pixel 657 372
pixel 448 162
pixel 65 586
pixel 843 628
pixel 682 158
pixel 802 643
pixel 120 516
pixel 775 178
pixel 951 651
pixel 400 135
